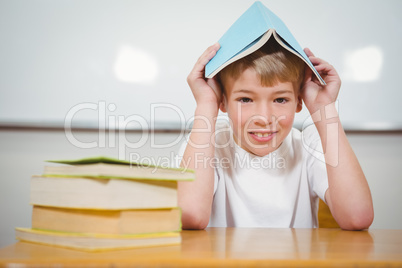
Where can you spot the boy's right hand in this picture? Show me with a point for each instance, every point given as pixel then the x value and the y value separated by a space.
pixel 206 91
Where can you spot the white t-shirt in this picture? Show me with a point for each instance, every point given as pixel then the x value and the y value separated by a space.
pixel 280 189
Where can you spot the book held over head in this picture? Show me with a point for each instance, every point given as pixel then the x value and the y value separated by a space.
pixel 250 32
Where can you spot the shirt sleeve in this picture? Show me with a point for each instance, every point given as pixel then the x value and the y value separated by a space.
pixel 216 178
pixel 315 160
pixel 180 153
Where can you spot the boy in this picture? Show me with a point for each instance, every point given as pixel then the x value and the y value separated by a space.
pixel 261 94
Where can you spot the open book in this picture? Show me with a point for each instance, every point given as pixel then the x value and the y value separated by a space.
pixel 250 32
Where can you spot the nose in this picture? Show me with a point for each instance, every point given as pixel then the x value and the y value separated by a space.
pixel 263 115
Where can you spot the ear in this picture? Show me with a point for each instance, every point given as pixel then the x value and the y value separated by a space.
pixel 299 104
pixel 223 104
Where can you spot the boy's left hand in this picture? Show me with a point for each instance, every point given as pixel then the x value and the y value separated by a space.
pixel 315 95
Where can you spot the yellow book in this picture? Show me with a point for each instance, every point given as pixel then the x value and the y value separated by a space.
pixel 139 221
pixel 96 242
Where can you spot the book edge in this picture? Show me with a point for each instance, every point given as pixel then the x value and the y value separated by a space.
pixel 176 236
pixel 97 235
pixel 101 208
pixel 110 177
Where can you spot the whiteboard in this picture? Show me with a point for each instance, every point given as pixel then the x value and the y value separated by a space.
pixel 96 63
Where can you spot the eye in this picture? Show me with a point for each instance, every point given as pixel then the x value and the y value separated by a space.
pixel 244 100
pixel 281 100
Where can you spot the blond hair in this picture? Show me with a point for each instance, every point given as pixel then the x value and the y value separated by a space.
pixel 273 64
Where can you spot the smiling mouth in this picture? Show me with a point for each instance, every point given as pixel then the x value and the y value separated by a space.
pixel 262 134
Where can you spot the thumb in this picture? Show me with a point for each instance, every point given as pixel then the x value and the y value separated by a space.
pixel 308 73
pixel 216 88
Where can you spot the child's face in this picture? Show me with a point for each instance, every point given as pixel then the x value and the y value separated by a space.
pixel 261 116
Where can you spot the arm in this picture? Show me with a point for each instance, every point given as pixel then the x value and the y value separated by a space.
pixel 348 195
pixel 195 198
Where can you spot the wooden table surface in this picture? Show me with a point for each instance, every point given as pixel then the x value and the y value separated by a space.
pixel 232 247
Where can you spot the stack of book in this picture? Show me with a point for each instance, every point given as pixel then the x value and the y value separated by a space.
pixel 103 203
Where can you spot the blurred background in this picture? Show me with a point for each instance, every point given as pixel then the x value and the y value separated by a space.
pixel 84 78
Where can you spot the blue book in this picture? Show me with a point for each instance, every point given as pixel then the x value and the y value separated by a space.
pixel 250 32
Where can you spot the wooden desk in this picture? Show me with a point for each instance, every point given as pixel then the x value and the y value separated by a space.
pixel 233 247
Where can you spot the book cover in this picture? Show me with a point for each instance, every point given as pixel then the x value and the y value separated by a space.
pixel 106 167
pixel 251 31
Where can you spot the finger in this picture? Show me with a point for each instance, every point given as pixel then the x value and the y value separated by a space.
pixel 311 79
pixel 317 61
pixel 308 52
pixel 326 68
pixel 208 54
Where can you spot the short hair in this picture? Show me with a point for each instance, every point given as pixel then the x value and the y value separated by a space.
pixel 273 64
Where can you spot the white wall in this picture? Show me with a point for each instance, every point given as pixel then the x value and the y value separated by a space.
pixel 58 54
pixel 23 153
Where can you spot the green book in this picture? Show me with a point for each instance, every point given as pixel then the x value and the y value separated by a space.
pixel 250 32
pixel 106 167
